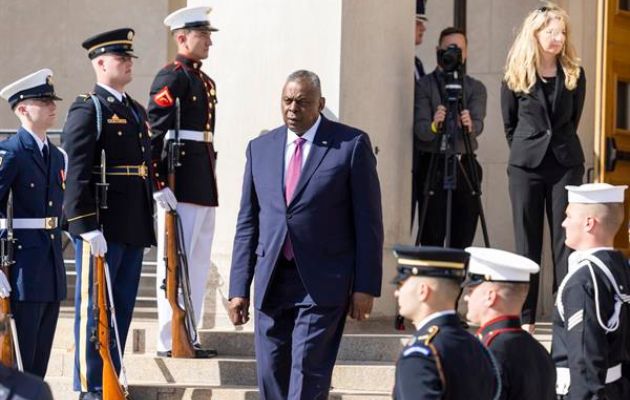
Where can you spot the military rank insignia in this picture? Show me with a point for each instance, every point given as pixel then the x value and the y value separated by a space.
pixel 115 119
pixel 163 98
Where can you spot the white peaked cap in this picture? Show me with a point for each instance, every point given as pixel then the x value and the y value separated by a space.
pixel 500 265
pixel 191 18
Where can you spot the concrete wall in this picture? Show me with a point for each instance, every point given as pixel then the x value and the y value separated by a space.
pixel 361 49
pixel 48 34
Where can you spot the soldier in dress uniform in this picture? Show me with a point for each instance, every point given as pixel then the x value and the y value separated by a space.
pixel 496 288
pixel 33 169
pixel 591 321
pixel 108 120
pixel 196 196
pixel 442 360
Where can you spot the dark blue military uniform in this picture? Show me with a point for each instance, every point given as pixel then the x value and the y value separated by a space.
pixel 444 361
pixel 527 370
pixel 38 279
pixel 127 223
pixel 16 385
pixel 591 329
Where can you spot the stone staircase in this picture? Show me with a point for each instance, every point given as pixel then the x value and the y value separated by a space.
pixel 365 367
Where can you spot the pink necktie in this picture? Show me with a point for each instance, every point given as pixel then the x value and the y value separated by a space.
pixel 290 183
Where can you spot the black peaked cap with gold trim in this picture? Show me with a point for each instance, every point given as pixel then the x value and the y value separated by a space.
pixel 118 41
pixel 436 262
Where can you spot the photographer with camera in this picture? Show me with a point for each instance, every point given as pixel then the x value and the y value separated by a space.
pixel 446 93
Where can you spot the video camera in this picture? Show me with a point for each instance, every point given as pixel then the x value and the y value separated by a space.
pixel 451 62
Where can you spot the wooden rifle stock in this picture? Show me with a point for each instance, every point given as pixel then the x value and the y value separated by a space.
pixel 112 390
pixel 6 340
pixel 181 342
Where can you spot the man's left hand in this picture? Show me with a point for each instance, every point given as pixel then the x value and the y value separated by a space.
pixel 361 306
pixel 466 120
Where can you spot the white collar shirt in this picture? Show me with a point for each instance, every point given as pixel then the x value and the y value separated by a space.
pixel 119 96
pixel 308 136
pixel 433 316
pixel 40 143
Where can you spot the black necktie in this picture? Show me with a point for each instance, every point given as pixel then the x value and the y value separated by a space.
pixel 127 103
pixel 45 153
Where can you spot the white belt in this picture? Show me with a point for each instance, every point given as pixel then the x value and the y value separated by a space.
pixel 197 136
pixel 31 223
pixel 563 380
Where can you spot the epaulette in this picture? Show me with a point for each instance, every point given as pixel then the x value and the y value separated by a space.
pixel 422 344
pixel 85 96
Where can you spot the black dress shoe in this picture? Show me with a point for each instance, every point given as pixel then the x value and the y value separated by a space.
pixel 199 353
pixel 91 396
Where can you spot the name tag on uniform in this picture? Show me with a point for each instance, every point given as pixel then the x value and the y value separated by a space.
pixel 116 120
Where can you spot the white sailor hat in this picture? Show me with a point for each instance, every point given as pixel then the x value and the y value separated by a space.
pixel 591 193
pixel 190 18
pixel 494 265
pixel 37 85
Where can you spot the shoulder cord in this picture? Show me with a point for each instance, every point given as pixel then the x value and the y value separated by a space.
pixel 620 298
pixel 99 115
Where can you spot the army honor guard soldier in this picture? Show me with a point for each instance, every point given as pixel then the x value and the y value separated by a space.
pixel 33 169
pixel 495 290
pixel 591 321
pixel 107 120
pixel 195 198
pixel 441 360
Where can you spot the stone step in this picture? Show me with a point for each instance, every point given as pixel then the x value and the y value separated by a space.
pixel 62 389
pixel 224 371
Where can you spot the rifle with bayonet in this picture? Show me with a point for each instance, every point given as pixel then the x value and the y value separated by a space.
pixel 9 344
pixel 112 389
pixel 183 325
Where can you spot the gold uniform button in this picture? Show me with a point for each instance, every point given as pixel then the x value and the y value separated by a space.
pixel 139 135
pixel 207 126
pixel 52 235
pixel 32 185
pixel 157 175
pixel 50 204
pixel 119 133
pixel 183 153
pixel 142 149
pixel 194 98
pixel 213 92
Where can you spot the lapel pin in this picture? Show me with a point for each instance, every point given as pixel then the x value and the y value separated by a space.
pixel 110 99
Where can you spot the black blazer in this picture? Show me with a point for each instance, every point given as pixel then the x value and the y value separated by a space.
pixel 530 131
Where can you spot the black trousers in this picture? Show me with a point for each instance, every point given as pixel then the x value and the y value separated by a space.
pixel 465 206
pixel 532 192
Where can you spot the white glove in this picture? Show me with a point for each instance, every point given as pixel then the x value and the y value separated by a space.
pixel 165 199
pixel 5 286
pixel 98 245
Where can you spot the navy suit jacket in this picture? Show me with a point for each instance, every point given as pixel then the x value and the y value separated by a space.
pixel 38 273
pixel 334 219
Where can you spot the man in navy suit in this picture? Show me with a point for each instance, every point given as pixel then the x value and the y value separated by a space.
pixel 33 169
pixel 310 231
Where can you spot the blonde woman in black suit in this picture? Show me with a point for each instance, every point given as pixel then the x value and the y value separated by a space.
pixel 541 100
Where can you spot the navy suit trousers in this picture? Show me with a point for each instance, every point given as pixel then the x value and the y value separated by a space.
pixel 296 340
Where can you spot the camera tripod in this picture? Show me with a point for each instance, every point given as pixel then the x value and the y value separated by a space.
pixel 445 146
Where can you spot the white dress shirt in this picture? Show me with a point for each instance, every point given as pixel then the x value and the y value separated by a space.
pixel 433 316
pixel 119 96
pixel 40 143
pixel 308 136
